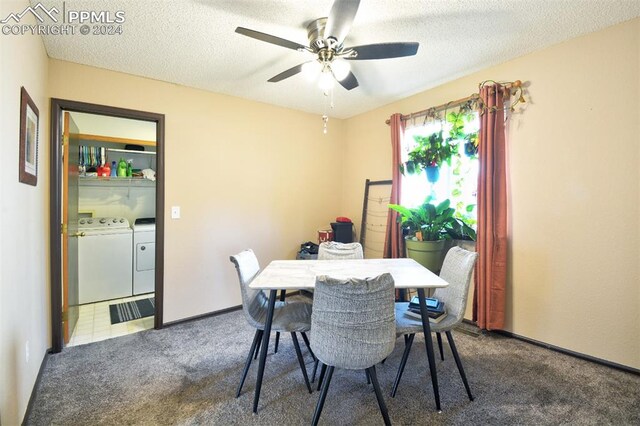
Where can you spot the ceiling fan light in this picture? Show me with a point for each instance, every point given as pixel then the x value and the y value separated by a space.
pixel 340 68
pixel 310 70
pixel 326 81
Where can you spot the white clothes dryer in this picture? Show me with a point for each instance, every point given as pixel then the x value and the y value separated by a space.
pixel 144 255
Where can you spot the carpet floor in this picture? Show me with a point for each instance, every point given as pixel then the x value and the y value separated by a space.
pixel 188 373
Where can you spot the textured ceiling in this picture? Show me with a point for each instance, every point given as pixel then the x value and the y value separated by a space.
pixel 193 43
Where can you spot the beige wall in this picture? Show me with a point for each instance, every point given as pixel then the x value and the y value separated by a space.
pixel 245 174
pixel 24 253
pixel 574 191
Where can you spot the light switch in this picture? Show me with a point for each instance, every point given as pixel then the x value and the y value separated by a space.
pixel 175 212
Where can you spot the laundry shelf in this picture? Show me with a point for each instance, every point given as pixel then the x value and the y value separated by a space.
pixel 115 181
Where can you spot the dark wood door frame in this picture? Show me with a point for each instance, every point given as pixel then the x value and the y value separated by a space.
pixel 55 198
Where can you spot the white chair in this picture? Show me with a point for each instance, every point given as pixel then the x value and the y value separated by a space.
pixel 456 270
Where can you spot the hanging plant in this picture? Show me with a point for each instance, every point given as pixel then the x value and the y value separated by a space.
pixel 471 145
pixel 457 133
pixel 431 152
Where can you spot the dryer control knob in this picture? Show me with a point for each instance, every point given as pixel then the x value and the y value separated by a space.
pixel 103 220
pixel 115 220
pixel 121 220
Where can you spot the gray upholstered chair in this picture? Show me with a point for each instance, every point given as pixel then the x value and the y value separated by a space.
pixel 287 317
pixel 334 250
pixel 352 327
pixel 456 270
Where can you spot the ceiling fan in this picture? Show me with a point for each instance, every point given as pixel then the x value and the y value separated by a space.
pixel 326 37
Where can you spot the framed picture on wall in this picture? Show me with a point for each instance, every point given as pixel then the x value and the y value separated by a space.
pixel 28 167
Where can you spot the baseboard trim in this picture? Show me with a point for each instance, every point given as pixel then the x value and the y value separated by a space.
pixel 205 315
pixel 32 398
pixel 569 352
pixel 213 313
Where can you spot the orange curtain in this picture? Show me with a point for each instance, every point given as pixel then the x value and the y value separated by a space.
pixel 393 247
pixel 491 269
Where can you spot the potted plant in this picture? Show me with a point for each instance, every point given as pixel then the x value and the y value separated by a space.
pixel 429 226
pixel 457 132
pixel 429 154
pixel 471 145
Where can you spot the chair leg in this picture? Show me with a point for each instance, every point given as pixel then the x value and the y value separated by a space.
pixel 406 339
pixel 323 394
pixel 368 378
pixel 403 362
pixel 315 369
pixel 258 346
pixel 301 361
pixel 306 342
pixel 275 349
pixel 459 364
pixel 439 336
pixel 322 371
pixel 247 364
pixel 371 371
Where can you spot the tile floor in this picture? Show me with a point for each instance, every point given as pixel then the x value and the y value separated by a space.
pixel 94 322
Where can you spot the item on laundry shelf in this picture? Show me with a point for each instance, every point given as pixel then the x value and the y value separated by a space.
pixel 122 168
pixel 130 168
pixel 149 174
pixel 343 219
pixel 106 170
pixel 114 166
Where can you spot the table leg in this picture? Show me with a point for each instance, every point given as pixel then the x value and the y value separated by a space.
pixel 265 347
pixel 283 294
pixel 426 328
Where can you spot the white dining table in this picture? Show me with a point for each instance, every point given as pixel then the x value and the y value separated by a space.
pixel 301 274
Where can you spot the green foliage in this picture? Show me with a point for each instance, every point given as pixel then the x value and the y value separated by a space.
pixel 457 121
pixel 434 222
pixel 431 151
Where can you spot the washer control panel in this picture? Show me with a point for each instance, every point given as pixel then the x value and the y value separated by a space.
pixel 103 222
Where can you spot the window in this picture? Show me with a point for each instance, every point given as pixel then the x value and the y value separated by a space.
pixel 457 182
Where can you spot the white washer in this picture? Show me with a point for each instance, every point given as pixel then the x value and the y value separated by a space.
pixel 104 259
pixel 144 255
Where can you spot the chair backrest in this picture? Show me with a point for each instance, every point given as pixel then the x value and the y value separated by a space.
pixel 332 250
pixel 353 321
pixel 456 270
pixel 254 302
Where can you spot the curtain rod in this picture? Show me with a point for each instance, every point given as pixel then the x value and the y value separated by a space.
pixel 452 104
pixel 438 108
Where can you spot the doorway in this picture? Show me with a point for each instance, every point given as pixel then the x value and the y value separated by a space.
pixel 68 232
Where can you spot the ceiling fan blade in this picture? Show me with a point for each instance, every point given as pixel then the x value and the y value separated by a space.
pixel 286 74
pixel 349 82
pixel 384 51
pixel 270 39
pixel 340 19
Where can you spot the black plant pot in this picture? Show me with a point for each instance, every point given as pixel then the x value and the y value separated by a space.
pixel 470 149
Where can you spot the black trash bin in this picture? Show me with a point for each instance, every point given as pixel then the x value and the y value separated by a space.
pixel 342 232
